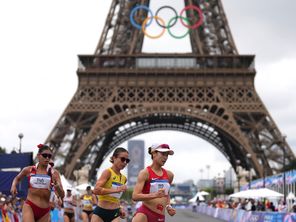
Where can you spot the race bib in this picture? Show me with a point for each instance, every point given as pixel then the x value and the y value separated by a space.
pixel 156 185
pixel 40 181
pixel 87 203
pixel 68 204
pixel 115 186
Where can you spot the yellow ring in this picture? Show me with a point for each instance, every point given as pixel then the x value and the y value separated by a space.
pixel 150 36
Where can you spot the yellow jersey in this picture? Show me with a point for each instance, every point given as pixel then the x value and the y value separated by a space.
pixel 114 181
pixel 87 202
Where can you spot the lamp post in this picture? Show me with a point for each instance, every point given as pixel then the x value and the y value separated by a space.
pixel 208 169
pixel 264 176
pixel 201 171
pixel 284 164
pixel 249 163
pixel 20 136
pixel 238 175
pixel 224 183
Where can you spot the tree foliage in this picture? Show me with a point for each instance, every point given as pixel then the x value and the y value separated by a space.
pixel 2 149
pixel 290 166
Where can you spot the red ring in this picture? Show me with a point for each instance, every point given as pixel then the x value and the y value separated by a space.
pixel 199 22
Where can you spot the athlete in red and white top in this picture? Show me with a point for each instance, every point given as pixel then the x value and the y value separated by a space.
pixel 42 178
pixel 69 204
pixel 152 187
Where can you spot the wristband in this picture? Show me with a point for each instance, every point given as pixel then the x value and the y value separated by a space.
pixel 168 206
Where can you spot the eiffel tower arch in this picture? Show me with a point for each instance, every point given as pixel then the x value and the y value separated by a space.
pixel 209 93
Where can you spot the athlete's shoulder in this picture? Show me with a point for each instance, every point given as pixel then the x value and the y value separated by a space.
pixel 170 172
pixel 107 172
pixel 170 175
pixel 145 170
pixel 27 169
pixel 144 174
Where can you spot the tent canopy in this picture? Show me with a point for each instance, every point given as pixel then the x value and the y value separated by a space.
pixel 67 185
pixel 257 193
pixel 83 186
pixel 198 195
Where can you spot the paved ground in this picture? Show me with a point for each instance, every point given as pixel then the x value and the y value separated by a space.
pixel 186 215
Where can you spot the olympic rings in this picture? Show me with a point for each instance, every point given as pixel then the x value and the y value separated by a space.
pixel 199 22
pixel 150 36
pixel 166 6
pixel 171 22
pixel 133 12
pixel 176 18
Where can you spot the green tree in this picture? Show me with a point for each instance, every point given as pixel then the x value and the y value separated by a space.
pixel 229 190
pixel 211 191
pixel 290 166
pixel 2 149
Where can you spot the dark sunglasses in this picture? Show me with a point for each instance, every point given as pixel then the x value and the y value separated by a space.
pixel 123 159
pixel 46 155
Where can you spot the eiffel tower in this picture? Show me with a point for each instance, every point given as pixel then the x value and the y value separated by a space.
pixel 209 93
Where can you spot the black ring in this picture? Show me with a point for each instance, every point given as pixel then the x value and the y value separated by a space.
pixel 166 6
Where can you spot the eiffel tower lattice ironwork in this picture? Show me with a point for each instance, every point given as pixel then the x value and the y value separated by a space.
pixel 209 93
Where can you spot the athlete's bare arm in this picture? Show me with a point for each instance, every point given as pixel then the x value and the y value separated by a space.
pixel 137 193
pixel 170 210
pixel 58 184
pixel 94 199
pixel 24 172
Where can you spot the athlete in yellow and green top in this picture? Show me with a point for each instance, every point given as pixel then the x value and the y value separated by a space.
pixel 88 201
pixel 110 187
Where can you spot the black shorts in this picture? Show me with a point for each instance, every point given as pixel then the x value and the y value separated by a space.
pixel 105 214
pixel 69 215
pixel 88 212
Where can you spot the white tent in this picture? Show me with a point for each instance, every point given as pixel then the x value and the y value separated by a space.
pixel 199 195
pixel 83 186
pixel 204 193
pixel 193 199
pixel 67 185
pixel 257 193
pixel 241 194
pixel 291 196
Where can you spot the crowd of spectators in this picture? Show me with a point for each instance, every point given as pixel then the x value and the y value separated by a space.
pixel 10 208
pixel 252 205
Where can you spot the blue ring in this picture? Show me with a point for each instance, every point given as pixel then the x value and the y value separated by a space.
pixel 133 12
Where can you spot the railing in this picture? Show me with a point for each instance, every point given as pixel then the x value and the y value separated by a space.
pixel 166 61
pixel 237 215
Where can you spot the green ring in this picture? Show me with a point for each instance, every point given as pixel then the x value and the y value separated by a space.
pixel 171 34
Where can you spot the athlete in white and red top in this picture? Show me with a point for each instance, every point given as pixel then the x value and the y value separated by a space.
pixel 42 178
pixel 152 187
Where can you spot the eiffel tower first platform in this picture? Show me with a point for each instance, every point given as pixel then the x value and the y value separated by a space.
pixel 210 93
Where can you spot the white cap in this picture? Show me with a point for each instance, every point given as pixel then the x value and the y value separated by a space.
pixel 162 148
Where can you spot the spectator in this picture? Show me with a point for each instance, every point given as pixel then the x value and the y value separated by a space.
pixel 282 206
pixel 271 206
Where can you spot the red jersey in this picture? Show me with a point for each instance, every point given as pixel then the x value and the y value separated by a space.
pixel 156 182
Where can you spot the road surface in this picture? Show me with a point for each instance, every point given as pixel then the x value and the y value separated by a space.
pixel 186 215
